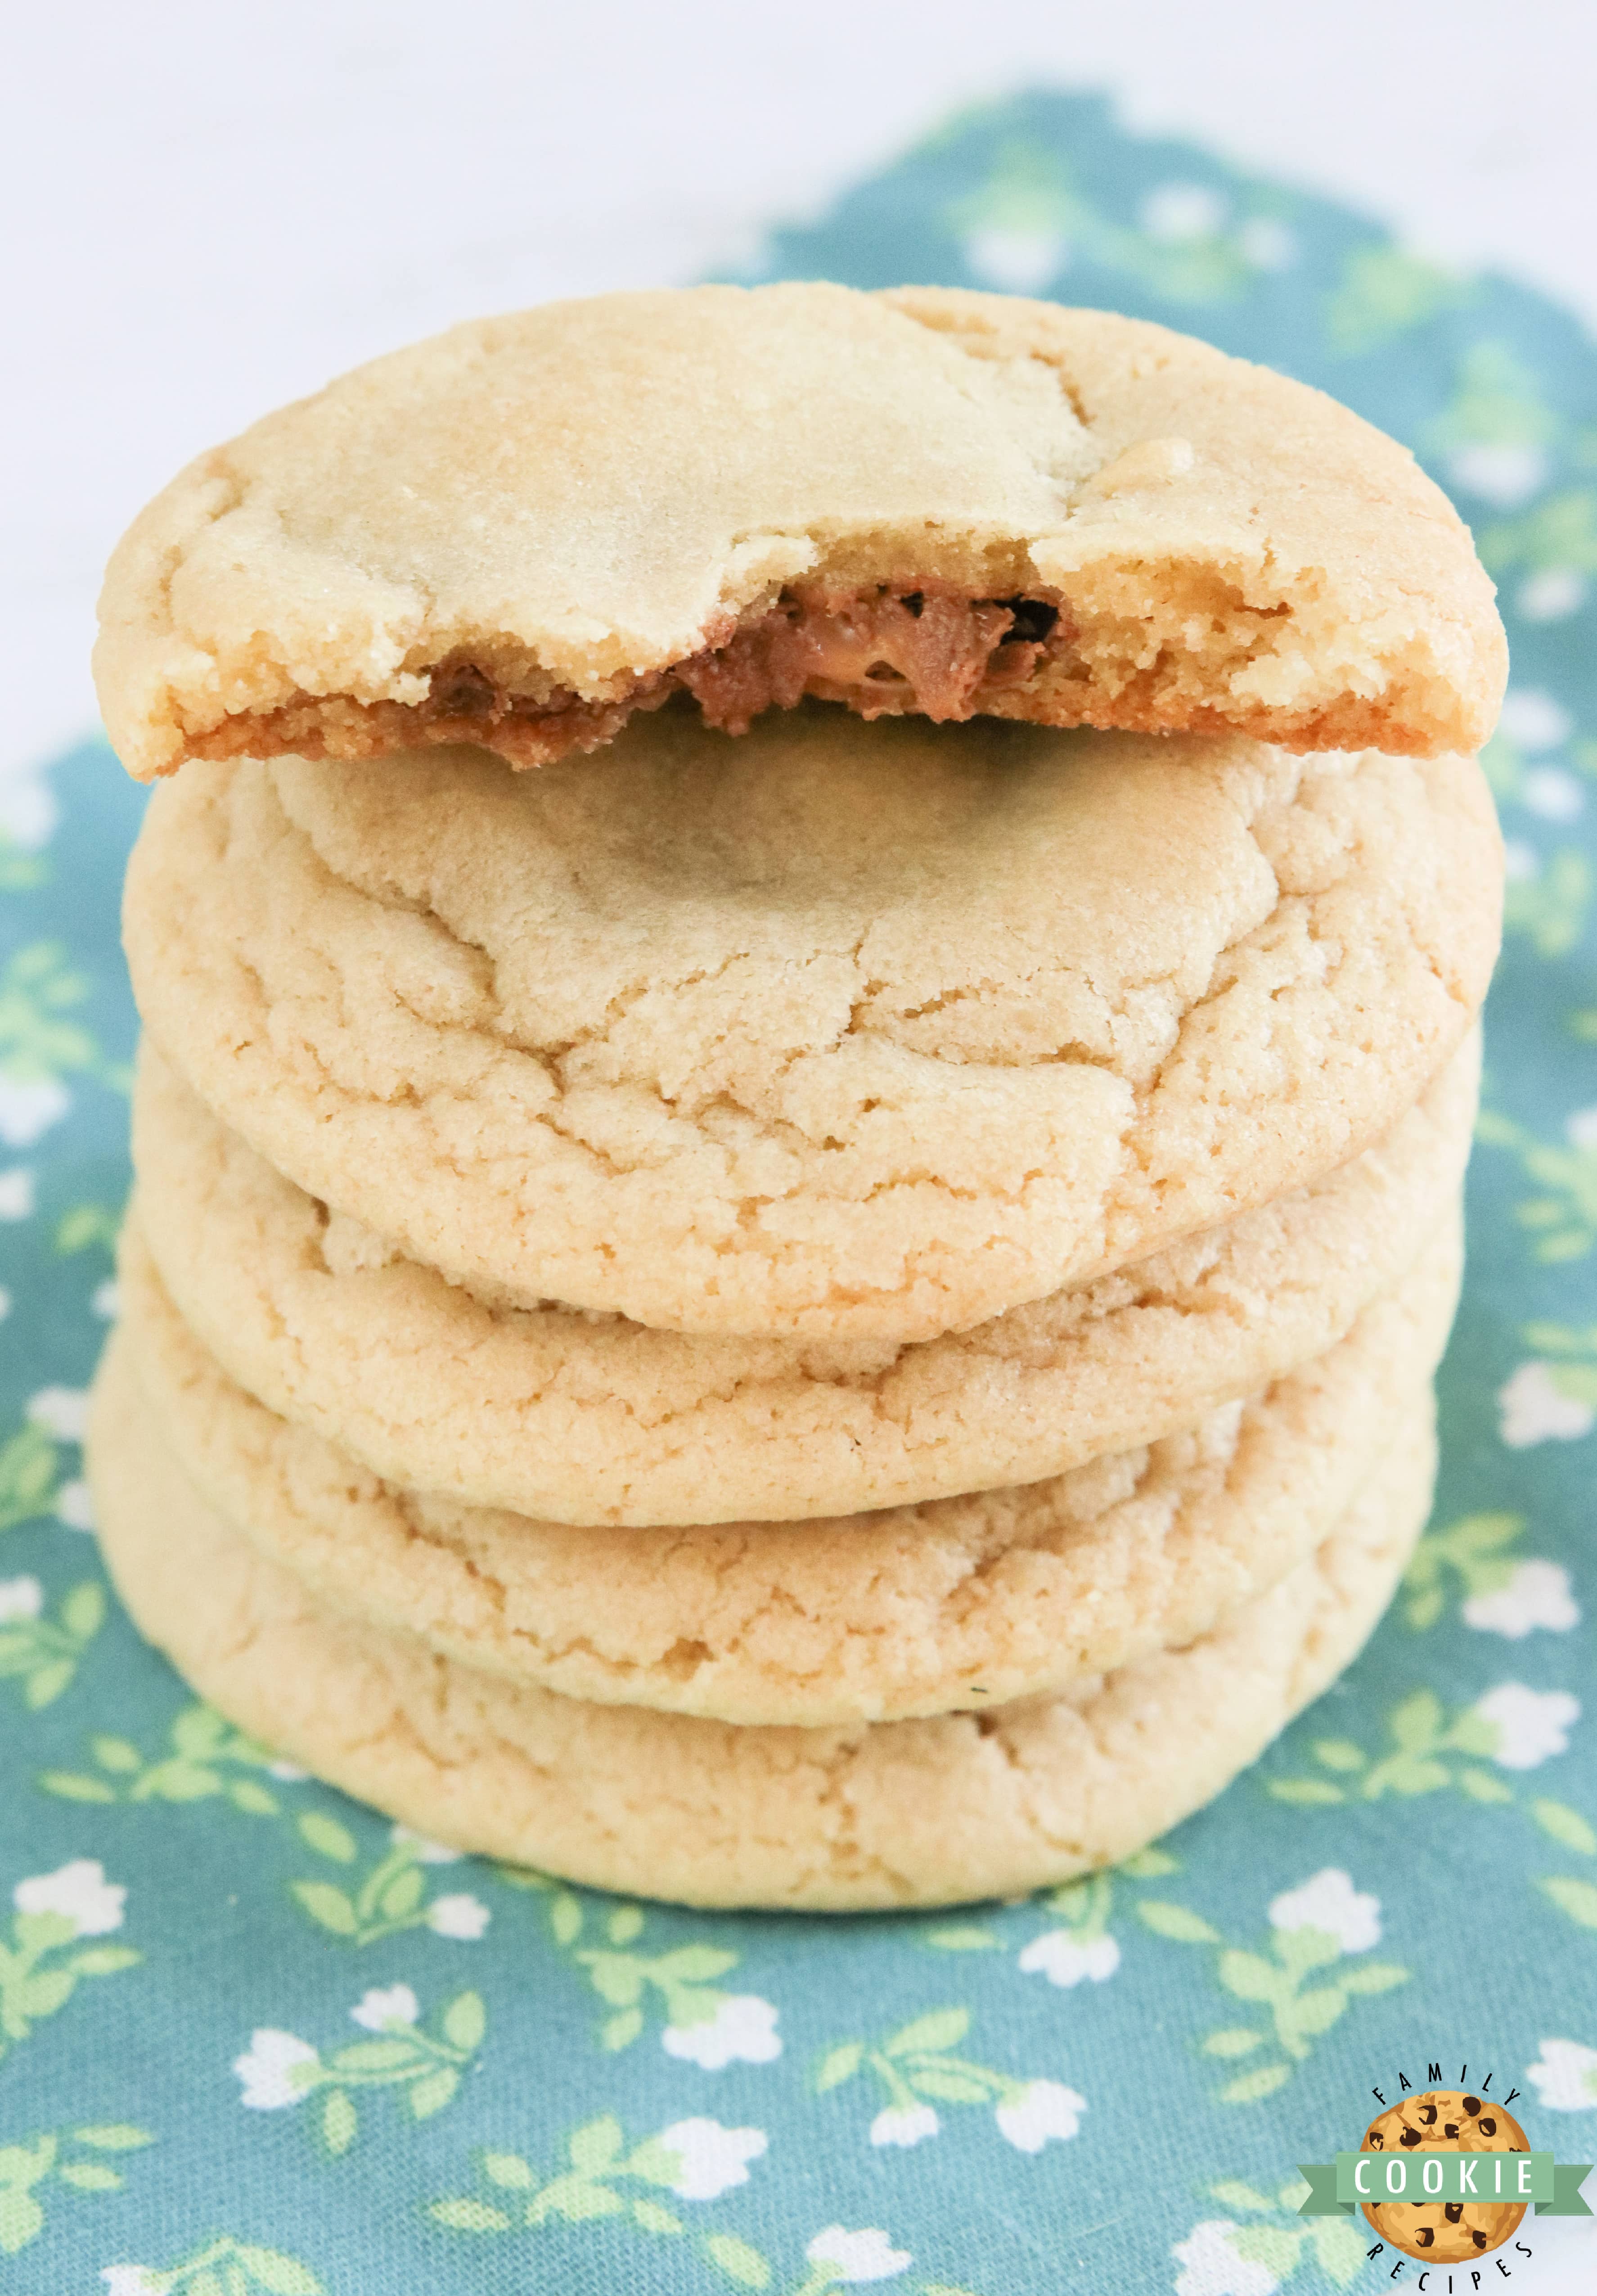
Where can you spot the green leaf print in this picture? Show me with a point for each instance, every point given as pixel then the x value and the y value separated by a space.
pixel 1424 1739
pixel 21 872
pixel 697 2160
pixel 418 2061
pixel 676 1985
pixel 1077 1947
pixel 1496 401
pixel 1576 1374
pixel 83 1228
pixel 29 1476
pixel 38 1046
pixel 325 1834
pixel 208 1759
pixel 30 2166
pixel 743 2265
pixel 1383 293
pixel 1566 1825
pixel 1273 1979
pixel 942 2029
pixel 1274 2237
pixel 205 1755
pixel 1577 1898
pixel 914 2069
pixel 1474 1550
pixel 45 1959
pixel 1558 535
pixel 1176 1921
pixel 1562 1218
pixel 227 2266
pixel 1028 216
pixel 390 1900
pixel 41 1653
pixel 1549 908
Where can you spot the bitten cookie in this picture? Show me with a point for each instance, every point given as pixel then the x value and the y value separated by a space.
pixel 590 1419
pixel 969 1602
pixel 1445 2121
pixel 666 1806
pixel 522 531
pixel 836 1030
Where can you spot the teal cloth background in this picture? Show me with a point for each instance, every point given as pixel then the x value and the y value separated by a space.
pixel 539 2091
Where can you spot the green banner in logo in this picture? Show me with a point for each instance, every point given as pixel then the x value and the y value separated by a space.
pixel 1420 2176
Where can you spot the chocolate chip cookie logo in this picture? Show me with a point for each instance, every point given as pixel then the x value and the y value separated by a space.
pixel 1445 2176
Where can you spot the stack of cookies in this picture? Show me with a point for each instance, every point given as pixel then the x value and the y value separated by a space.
pixel 810 980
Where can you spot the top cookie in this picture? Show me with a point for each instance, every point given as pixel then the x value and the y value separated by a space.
pixel 523 531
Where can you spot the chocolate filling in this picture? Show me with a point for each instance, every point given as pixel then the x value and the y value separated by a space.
pixel 910 646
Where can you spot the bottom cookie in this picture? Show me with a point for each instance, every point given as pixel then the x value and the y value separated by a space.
pixel 870 1816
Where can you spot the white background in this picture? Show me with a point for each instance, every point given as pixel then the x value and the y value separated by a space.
pixel 210 207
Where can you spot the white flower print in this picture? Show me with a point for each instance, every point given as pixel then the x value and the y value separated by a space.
pixel 1549 596
pixel 1533 1408
pixel 16 1204
pixel 291 1772
pixel 461 1917
pixel 905 2125
pixel 1582 1128
pixel 271 2069
pixel 132 2280
pixel 1531 1725
pixel 74 1506
pixel 61 1411
pixel 28 812
pixel 1506 474
pixel 1520 866
pixel 1537 1594
pixel 81 1891
pixel 427 1853
pixel 21 1598
pixel 1329 1901
pixel 1021 262
pixel 1554 794
pixel 1173 212
pixel 1211 2267
pixel 1268 244
pixel 1566 2076
pixel 713 2158
pixel 1065 1959
pixel 26 1110
pixel 107 1301
pixel 743 2030
pixel 384 2005
pixel 1534 720
pixel 857 2257
pixel 1045 2108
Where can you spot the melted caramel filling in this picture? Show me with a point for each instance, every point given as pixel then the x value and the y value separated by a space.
pixel 925 648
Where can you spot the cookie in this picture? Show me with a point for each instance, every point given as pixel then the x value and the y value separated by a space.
pixel 1445 2121
pixel 588 1419
pixel 967 1601
pixel 527 529
pixel 834 1031
pixel 870 1816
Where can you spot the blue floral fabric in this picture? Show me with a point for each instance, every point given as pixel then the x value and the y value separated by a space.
pixel 254 2038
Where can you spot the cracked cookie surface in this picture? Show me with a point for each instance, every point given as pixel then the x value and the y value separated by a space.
pixel 830 1030
pixel 528 527
pixel 969 1601
pixel 588 1419
pixel 930 1812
